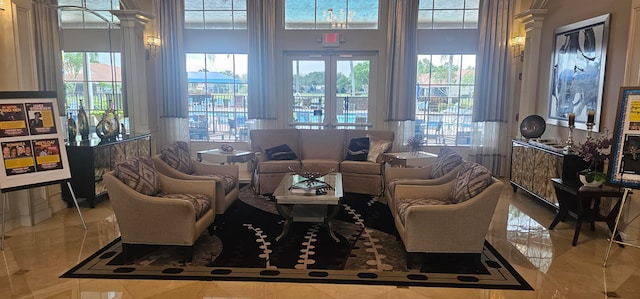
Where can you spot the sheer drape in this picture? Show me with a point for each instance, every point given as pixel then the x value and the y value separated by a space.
pixel 261 27
pixel 402 51
pixel 47 48
pixel 491 108
pixel 172 59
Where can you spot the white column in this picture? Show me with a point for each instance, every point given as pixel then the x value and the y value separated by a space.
pixel 134 75
pixel 532 20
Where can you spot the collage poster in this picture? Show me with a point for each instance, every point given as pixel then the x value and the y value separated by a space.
pixel 33 149
pixel 626 148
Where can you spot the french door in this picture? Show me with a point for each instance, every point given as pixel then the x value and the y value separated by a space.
pixel 331 90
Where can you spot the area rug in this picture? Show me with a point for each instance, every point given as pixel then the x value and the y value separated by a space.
pixel 243 248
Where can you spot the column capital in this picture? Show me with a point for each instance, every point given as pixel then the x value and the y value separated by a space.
pixel 531 18
pixel 132 18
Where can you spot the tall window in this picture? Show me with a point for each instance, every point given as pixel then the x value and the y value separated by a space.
pixel 215 14
pixel 448 14
pixel 217 99
pixel 331 14
pixel 444 96
pixel 100 17
pixel 94 80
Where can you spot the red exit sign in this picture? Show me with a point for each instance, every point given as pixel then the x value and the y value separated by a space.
pixel 330 40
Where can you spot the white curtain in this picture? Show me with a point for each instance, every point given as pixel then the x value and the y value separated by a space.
pixel 402 51
pixel 48 57
pixel 491 108
pixel 172 60
pixel 261 27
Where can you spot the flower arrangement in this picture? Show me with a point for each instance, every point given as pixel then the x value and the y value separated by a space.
pixel 414 143
pixel 595 150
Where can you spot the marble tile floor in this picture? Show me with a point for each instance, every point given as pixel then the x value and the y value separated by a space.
pixel 34 257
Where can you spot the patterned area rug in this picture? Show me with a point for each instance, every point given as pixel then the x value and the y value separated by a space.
pixel 243 248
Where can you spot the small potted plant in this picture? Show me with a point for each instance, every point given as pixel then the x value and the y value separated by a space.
pixel 414 143
pixel 596 151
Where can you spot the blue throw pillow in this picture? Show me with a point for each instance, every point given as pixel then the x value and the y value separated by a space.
pixel 358 149
pixel 280 152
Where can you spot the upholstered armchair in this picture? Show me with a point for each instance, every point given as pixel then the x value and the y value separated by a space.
pixel 154 209
pixel 444 169
pixel 453 217
pixel 175 161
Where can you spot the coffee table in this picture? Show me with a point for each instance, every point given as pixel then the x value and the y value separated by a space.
pixel 300 206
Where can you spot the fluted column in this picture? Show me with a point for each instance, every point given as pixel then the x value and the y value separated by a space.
pixel 134 75
pixel 532 20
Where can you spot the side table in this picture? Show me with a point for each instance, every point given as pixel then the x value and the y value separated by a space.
pixel 409 159
pixel 218 156
pixel 585 203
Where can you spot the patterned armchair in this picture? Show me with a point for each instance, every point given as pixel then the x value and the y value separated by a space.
pixel 444 169
pixel 153 209
pixel 452 217
pixel 175 161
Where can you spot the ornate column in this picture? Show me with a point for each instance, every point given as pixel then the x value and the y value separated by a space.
pixel 532 20
pixel 632 71
pixel 134 75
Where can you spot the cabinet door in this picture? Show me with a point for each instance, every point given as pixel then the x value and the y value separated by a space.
pixel 529 164
pixel 118 153
pixel 517 164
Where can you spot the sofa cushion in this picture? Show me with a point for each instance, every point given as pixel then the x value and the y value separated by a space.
pixel 377 147
pixel 446 161
pixel 404 204
pixel 280 152
pixel 322 144
pixel 358 149
pixel 471 180
pixel 201 202
pixel 178 157
pixel 361 167
pixel 139 174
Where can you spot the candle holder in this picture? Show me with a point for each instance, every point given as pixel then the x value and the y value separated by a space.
pixel 568 149
pixel 589 130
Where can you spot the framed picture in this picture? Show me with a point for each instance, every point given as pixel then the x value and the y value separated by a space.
pixel 624 161
pixel 577 72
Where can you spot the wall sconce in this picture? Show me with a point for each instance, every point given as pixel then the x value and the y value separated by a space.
pixel 518 47
pixel 153 42
pixel 3 5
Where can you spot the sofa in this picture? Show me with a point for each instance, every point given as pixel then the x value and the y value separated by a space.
pixel 354 153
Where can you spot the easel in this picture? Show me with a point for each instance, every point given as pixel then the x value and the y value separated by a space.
pixel 7 190
pixel 612 240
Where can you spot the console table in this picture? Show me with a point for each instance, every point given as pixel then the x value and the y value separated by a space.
pixel 585 203
pixel 90 159
pixel 532 168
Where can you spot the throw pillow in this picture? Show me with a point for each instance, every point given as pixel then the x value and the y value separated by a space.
pixel 377 147
pixel 470 181
pixel 140 174
pixel 446 161
pixel 358 149
pixel 178 157
pixel 280 152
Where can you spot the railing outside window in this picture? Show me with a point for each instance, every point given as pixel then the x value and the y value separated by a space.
pixel 218 117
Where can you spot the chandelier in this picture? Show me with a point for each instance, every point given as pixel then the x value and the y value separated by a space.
pixel 338 20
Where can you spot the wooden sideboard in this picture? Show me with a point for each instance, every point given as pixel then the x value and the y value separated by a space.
pixel 533 167
pixel 90 159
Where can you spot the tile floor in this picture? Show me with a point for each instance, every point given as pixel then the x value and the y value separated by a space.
pixel 34 257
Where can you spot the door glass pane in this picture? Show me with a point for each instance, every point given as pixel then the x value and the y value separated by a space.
pixel 308 93
pixel 352 93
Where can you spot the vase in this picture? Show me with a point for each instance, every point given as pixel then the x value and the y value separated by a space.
pixel 83 123
pixel 108 127
pixel 72 129
pixel 594 183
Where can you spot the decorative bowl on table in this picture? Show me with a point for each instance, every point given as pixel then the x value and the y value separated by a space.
pixel 311 178
pixel 226 148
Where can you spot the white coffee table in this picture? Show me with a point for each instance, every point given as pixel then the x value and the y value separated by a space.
pixel 298 206
pixel 409 159
pixel 219 156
